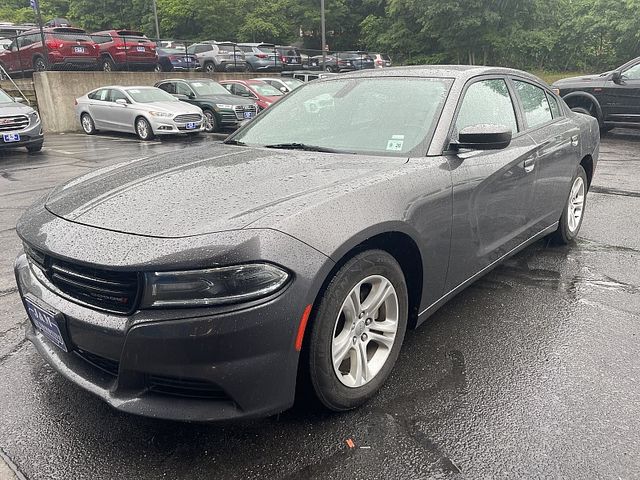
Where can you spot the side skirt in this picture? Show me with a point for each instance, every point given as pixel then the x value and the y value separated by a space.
pixel 431 309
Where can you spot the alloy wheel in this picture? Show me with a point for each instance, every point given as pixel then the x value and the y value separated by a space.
pixel 575 205
pixel 365 331
pixel 87 124
pixel 210 124
pixel 142 128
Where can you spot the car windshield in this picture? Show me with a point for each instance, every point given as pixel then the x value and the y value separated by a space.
pixel 208 87
pixel 149 95
pixel 4 98
pixel 266 90
pixel 380 116
pixel 292 83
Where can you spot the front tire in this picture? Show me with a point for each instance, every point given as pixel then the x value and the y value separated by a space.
pixel 573 212
pixel 211 123
pixel 358 330
pixel 143 129
pixel 209 67
pixel 34 148
pixel 88 124
pixel 158 68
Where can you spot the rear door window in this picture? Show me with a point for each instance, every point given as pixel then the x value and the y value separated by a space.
pixel 487 102
pixel 534 103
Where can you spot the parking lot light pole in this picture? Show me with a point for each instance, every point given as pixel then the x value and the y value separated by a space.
pixel 155 16
pixel 324 35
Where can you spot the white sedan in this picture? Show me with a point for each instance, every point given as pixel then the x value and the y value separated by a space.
pixel 145 111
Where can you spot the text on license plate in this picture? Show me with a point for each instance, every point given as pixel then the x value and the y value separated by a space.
pixel 248 114
pixel 11 137
pixel 191 126
pixel 46 323
pixel 78 49
pixel 141 49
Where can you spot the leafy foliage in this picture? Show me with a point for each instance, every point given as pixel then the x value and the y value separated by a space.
pixel 533 34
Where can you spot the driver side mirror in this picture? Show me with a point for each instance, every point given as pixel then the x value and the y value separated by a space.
pixel 20 100
pixel 122 101
pixel 181 96
pixel 283 89
pixel 483 137
pixel 616 77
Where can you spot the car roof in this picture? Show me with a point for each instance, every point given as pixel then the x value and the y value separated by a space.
pixel 187 80
pixel 462 72
pixel 125 32
pixel 258 44
pixel 123 87
pixel 244 82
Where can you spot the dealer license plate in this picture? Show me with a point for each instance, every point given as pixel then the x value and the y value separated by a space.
pixel 11 137
pixel 46 321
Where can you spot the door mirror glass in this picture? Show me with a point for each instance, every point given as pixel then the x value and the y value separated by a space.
pixel 181 96
pixel 484 137
pixel 283 89
pixel 121 101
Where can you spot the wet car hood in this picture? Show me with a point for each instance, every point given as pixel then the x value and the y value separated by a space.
pixel 13 108
pixel 225 98
pixel 597 78
pixel 210 190
pixel 170 107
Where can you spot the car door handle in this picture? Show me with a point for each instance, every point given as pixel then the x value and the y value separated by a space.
pixel 575 140
pixel 529 165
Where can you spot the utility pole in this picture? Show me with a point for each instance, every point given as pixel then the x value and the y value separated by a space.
pixel 155 16
pixel 324 35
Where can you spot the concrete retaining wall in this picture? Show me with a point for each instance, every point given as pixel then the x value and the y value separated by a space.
pixel 56 91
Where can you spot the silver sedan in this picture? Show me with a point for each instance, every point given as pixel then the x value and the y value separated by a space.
pixel 145 111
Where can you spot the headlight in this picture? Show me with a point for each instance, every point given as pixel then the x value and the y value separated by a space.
pixel 161 114
pixel 213 286
pixel 224 106
pixel 34 117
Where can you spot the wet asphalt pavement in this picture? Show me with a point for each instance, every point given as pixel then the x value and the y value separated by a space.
pixel 531 372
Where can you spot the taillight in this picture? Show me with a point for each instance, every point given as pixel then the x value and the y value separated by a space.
pixel 379 62
pixel 52 45
pixel 261 55
pixel 283 58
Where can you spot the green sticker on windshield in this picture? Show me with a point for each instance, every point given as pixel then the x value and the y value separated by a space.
pixel 395 144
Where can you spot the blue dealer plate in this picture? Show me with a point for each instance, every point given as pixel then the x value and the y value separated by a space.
pixel 46 321
pixel 11 137
pixel 191 126
pixel 248 114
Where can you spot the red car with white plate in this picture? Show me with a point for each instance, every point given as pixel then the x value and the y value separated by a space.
pixel 261 92
pixel 125 50
pixel 66 48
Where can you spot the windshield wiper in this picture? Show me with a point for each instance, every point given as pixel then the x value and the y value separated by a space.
pixel 233 142
pixel 305 147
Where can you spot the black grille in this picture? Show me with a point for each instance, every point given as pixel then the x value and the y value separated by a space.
pixel 108 366
pixel 14 122
pixel 104 289
pixel 191 117
pixel 184 387
pixel 240 109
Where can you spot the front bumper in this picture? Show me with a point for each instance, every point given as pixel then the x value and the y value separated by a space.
pixel 199 364
pixel 32 135
pixel 166 126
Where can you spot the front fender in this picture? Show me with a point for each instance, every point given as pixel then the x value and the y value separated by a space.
pixel 587 95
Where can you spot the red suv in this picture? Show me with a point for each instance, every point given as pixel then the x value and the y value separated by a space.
pixel 125 50
pixel 67 47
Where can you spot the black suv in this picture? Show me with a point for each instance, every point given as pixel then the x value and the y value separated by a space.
pixel 220 108
pixel 611 97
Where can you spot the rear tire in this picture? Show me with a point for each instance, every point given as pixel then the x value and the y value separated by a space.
pixel 350 332
pixel 39 65
pixel 87 123
pixel 573 211
pixel 329 69
pixel 107 65
pixel 143 129
pixel 158 68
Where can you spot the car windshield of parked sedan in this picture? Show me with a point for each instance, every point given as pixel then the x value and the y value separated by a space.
pixel 149 95
pixel 266 90
pixel 379 116
pixel 208 87
pixel 4 98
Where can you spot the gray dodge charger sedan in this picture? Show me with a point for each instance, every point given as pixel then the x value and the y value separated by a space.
pixel 204 284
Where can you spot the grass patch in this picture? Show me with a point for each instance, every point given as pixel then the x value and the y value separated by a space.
pixel 551 77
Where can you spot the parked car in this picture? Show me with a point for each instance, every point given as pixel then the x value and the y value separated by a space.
pixel 357 60
pixel 261 57
pixel 613 98
pixel 68 48
pixel 381 60
pixel 262 93
pixel 284 84
pixel 203 286
pixel 176 44
pixel 173 59
pixel 290 57
pixel 19 124
pixel 125 50
pixel 306 76
pixel 145 111
pixel 219 56
pixel 220 108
